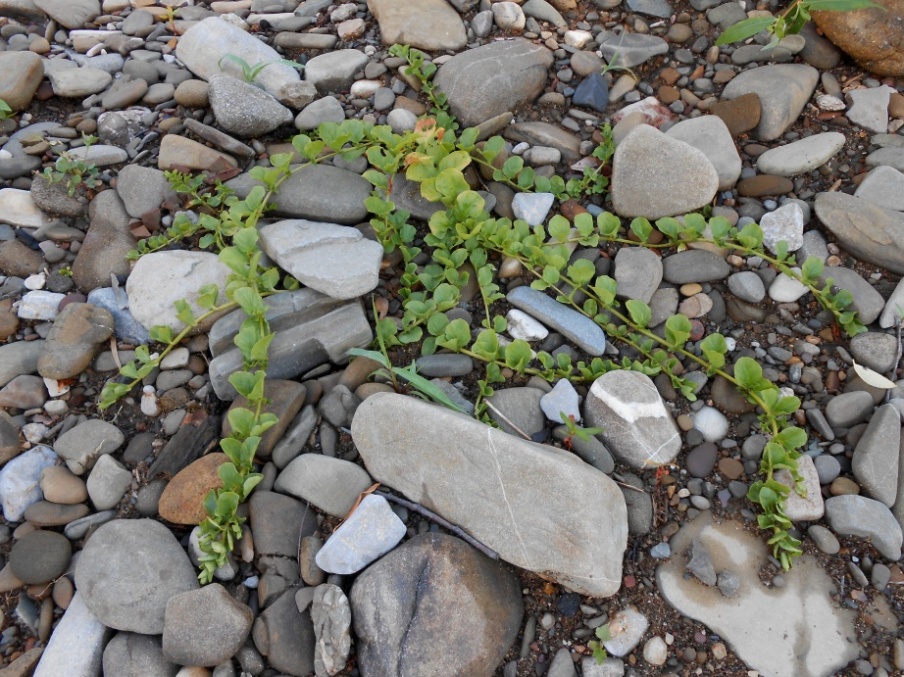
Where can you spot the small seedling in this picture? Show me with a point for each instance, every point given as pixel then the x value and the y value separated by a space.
pixel 574 430
pixel 5 110
pixel 422 387
pixel 599 651
pixel 250 73
pixel 75 171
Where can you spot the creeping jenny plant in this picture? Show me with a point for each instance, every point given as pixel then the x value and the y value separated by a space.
pixel 460 241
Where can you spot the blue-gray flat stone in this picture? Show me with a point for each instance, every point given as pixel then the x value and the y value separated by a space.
pixel 570 323
pixel 371 531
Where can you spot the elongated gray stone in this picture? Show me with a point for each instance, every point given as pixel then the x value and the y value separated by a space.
pixel 632 49
pixel 694 265
pixel 852 515
pixel 869 232
pixel 570 323
pixel 866 300
pixel 801 156
pixel 487 481
pixel 310 328
pixel 875 461
pixel 637 428
pixel 793 630
pixel 76 647
pixel 316 192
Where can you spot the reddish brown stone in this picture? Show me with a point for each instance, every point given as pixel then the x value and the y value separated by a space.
pixel 873 37
pixel 668 94
pixel 731 468
pixel 764 184
pixel 285 400
pixel 182 502
pixel 739 115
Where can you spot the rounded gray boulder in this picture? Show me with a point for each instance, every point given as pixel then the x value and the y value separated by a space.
pixel 128 571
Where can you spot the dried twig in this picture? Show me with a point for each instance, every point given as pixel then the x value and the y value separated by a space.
pixel 429 514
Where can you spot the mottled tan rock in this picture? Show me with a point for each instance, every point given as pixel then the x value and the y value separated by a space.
pixel 873 37
pixel 178 152
pixel 182 502
pixel 74 339
pixel 20 75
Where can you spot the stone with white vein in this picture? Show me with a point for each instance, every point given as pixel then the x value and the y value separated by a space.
pixel 523 326
pixel 637 427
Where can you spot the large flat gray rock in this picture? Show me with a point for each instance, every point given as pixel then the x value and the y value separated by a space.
pixel 488 483
pixel 493 79
pixel 656 175
pixel 797 629
pixel 202 48
pixel 868 231
pixel 335 260
pixel 427 24
pixel 128 571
